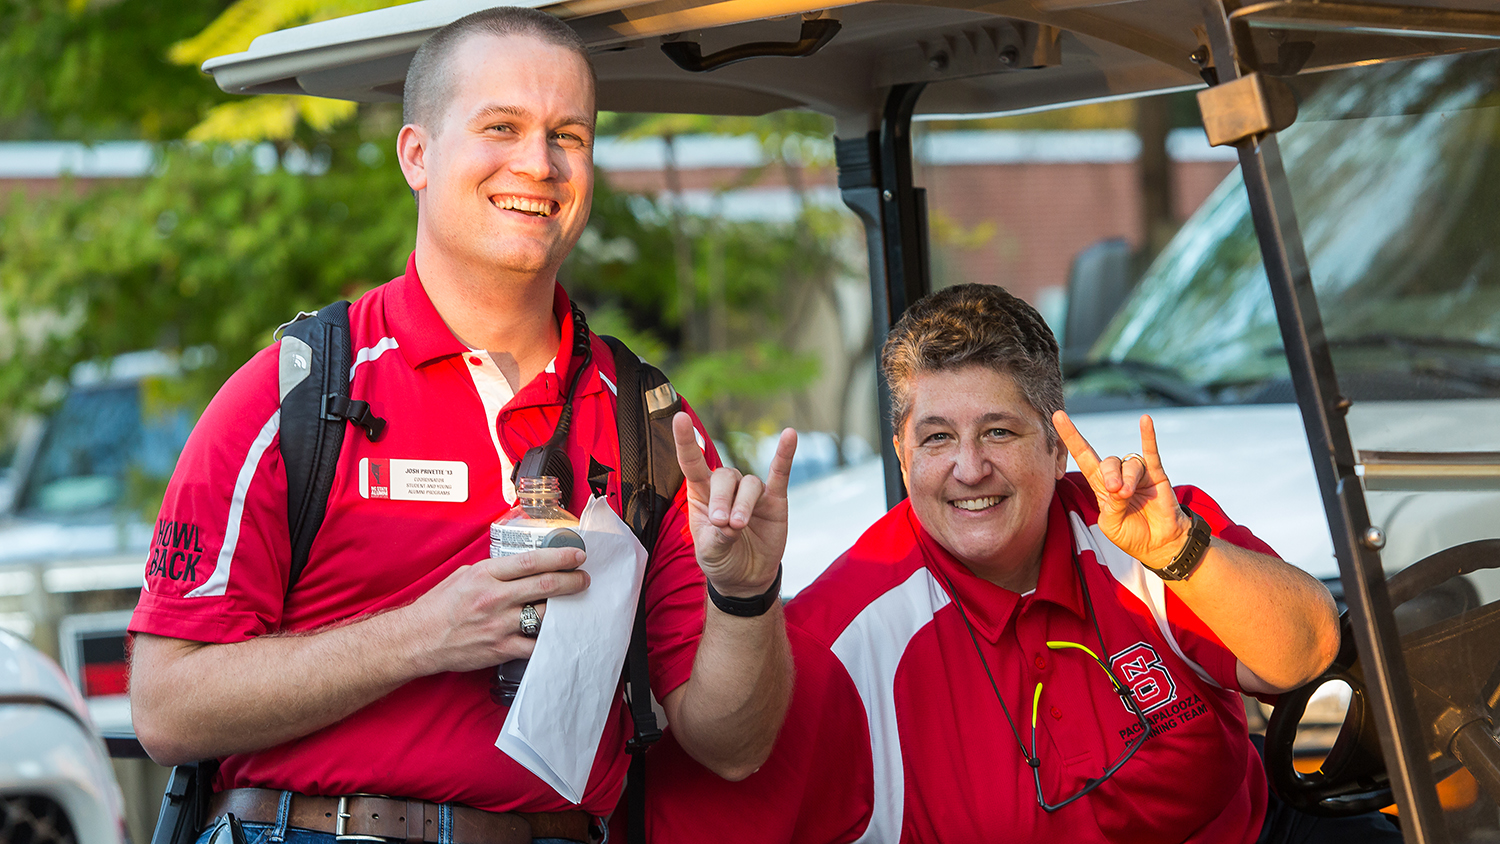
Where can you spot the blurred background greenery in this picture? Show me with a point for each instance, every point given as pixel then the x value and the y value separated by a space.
pixel 257 208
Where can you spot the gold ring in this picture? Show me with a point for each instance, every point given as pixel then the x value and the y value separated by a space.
pixel 1130 456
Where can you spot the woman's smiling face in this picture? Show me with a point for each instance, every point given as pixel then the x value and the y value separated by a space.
pixel 979 471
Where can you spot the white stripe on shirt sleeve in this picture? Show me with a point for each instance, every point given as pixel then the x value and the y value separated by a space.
pixel 218 582
pixel 871 648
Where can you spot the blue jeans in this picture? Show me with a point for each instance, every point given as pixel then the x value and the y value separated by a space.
pixel 261 833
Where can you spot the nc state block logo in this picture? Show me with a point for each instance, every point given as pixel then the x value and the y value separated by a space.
pixel 380 478
pixel 1140 668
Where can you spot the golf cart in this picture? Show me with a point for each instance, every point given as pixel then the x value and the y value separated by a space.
pixel 1397 388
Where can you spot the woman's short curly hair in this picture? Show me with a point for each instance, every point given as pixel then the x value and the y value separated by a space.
pixel 974 325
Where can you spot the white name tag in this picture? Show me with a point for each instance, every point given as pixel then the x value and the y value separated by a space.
pixel 414 480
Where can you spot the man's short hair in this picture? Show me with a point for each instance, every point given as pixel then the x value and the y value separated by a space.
pixel 429 80
pixel 974 325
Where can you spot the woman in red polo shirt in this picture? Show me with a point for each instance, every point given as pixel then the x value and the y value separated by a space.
pixel 1018 653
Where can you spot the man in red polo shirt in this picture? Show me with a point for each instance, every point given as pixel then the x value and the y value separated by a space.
pixel 372 676
pixel 1019 654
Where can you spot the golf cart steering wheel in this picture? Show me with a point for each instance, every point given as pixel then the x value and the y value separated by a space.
pixel 1454 667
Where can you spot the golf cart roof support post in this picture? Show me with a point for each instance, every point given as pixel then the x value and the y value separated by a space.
pixel 875 179
pixel 1323 409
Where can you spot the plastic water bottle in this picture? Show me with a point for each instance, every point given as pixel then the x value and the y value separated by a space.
pixel 537 521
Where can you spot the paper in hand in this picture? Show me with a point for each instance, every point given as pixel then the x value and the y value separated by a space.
pixel 554 726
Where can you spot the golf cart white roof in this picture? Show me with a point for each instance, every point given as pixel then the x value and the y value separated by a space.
pixel 976 56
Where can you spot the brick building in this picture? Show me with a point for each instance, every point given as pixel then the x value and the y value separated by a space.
pixel 1011 208
pixel 1005 207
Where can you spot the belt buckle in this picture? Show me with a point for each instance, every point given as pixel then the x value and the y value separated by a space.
pixel 342 814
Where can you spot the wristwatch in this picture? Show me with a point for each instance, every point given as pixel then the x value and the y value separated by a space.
pixel 1191 556
pixel 747 607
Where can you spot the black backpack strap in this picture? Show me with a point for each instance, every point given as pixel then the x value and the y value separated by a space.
pixel 313 377
pixel 649 480
pixel 313 383
pixel 184 805
pixel 649 474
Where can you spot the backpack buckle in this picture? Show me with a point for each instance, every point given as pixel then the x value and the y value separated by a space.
pixel 342 408
pixel 643 739
pixel 646 733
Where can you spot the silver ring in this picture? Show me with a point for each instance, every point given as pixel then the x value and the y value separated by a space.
pixel 531 623
pixel 1126 458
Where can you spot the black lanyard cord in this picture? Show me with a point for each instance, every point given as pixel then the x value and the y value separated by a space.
pixel 583 349
pixel 1088 603
pixel 551 457
pixel 1031 758
pixel 974 637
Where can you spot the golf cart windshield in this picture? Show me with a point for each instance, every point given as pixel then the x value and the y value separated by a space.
pixel 1394 170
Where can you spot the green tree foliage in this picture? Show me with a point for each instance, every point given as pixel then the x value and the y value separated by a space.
pixel 227 238
pixel 733 297
pixel 762 271
pixel 275 116
pixel 213 251
pixel 97 70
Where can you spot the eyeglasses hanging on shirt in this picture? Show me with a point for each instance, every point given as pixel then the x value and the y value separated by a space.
pixel 1030 754
pixel 1130 748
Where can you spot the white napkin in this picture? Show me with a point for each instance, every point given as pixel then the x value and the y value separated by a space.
pixel 555 724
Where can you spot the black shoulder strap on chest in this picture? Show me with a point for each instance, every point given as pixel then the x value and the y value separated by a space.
pixel 649 480
pixel 649 474
pixel 313 376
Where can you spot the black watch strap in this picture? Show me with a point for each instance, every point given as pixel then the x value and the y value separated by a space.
pixel 747 607
pixel 1191 556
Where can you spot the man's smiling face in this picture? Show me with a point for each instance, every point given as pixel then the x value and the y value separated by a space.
pixel 979 471
pixel 506 174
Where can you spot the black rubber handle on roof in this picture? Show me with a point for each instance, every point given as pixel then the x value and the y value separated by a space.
pixel 688 55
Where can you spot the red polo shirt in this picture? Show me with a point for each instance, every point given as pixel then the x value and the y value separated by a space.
pixel 219 564
pixel 895 733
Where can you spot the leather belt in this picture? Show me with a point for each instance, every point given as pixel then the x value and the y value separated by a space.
pixel 362 816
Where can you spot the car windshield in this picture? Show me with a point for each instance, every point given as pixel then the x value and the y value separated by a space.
pixel 101 451
pixel 1395 171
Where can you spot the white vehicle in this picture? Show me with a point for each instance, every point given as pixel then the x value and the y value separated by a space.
pixel 1397 212
pixel 74 535
pixel 1410 313
pixel 56 783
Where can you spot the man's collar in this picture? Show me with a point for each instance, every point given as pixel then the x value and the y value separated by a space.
pixel 989 607
pixel 424 337
pixel 420 332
